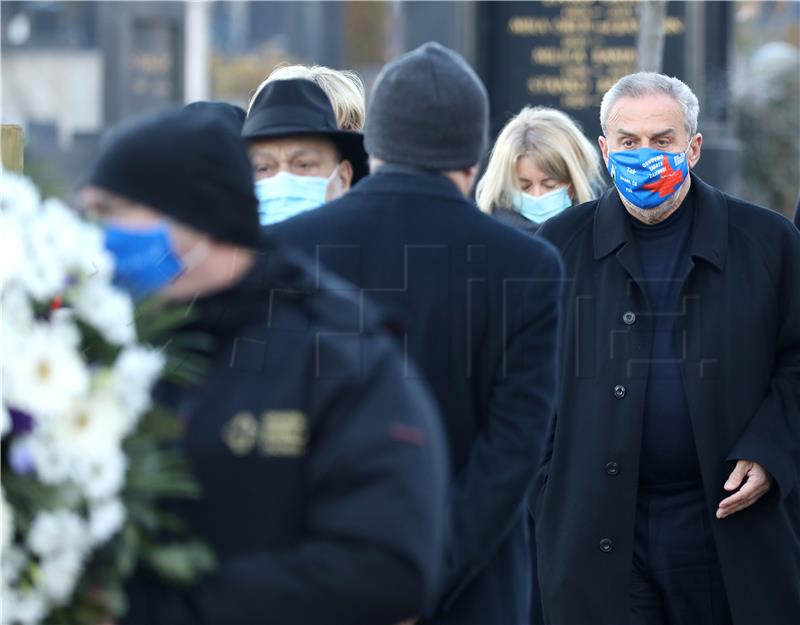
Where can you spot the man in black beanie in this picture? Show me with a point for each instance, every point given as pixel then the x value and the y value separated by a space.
pixel 478 307
pixel 322 467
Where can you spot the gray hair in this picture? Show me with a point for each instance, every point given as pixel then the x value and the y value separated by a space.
pixel 649 83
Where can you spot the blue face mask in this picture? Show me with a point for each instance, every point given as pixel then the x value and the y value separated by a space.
pixel 285 195
pixel 144 260
pixel 540 209
pixel 646 177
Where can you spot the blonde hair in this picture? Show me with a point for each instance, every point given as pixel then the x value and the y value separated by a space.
pixel 344 89
pixel 555 144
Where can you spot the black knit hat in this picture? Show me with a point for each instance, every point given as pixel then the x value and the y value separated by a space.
pixel 428 109
pixel 188 164
pixel 299 107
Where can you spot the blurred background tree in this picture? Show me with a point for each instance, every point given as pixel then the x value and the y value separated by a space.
pixel 766 96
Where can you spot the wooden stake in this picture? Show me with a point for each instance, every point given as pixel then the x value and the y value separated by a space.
pixel 12 142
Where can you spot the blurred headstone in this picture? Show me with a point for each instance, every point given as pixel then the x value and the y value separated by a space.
pixel 566 55
pixel 143 46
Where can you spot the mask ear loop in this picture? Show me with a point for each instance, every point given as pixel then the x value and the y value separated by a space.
pixel 194 256
pixel 334 175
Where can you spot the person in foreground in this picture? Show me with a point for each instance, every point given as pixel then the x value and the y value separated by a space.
pixel 322 465
pixel 670 493
pixel 475 306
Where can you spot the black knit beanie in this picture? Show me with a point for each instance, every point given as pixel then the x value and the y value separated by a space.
pixel 428 110
pixel 188 164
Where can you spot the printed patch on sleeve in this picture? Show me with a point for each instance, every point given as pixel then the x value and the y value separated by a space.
pixel 241 433
pixel 283 433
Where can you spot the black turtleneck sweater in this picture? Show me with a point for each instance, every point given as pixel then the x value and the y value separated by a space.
pixel 669 455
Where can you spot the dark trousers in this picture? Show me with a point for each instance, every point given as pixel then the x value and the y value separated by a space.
pixel 676 574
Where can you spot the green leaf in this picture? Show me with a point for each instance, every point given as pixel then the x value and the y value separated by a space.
pixel 181 563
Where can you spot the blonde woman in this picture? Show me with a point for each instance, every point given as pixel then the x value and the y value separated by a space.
pixel 344 89
pixel 540 165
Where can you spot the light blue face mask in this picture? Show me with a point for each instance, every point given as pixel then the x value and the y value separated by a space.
pixel 540 209
pixel 285 195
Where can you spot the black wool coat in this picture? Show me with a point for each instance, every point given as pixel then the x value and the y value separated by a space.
pixel 740 333
pixel 323 465
pixel 476 306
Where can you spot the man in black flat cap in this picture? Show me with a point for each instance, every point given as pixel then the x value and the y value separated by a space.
pixel 323 469
pixel 301 159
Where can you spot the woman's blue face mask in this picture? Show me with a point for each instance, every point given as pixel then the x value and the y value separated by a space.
pixel 145 260
pixel 539 209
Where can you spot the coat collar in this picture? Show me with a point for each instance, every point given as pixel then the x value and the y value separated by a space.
pixel 399 179
pixel 709 234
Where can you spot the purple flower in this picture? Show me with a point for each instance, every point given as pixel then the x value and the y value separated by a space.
pixel 21 422
pixel 20 458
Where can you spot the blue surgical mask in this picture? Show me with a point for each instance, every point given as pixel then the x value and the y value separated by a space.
pixel 646 177
pixel 145 260
pixel 285 195
pixel 540 209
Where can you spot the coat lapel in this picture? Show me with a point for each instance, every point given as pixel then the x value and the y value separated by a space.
pixel 612 232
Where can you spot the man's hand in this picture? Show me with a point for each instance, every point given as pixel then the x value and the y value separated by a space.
pixel 756 483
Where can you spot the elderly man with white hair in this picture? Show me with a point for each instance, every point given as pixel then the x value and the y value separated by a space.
pixel 670 492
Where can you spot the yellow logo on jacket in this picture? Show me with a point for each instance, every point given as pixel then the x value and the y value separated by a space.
pixel 280 433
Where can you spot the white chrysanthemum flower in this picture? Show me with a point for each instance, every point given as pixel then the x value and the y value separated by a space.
pixel 16 313
pixel 23 608
pixel 5 420
pixel 6 523
pixel 43 274
pixel 78 244
pixel 48 374
pixel 59 574
pixel 105 520
pixel 91 427
pixel 107 309
pixel 102 477
pixel 57 531
pixel 12 248
pixel 14 561
pixel 133 375
pixel 19 196
pixel 53 464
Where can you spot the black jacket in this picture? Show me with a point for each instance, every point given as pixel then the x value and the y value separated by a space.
pixel 740 333
pixel 513 218
pixel 322 462
pixel 476 307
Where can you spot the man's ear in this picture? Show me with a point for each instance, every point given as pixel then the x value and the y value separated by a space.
pixel 472 175
pixel 694 150
pixel 345 175
pixel 603 143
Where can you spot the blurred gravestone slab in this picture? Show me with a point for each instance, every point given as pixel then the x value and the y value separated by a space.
pixel 566 55
pixel 143 46
pixel 12 141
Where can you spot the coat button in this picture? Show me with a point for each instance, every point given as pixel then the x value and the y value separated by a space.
pixel 619 391
pixel 606 545
pixel 612 468
pixel 629 318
